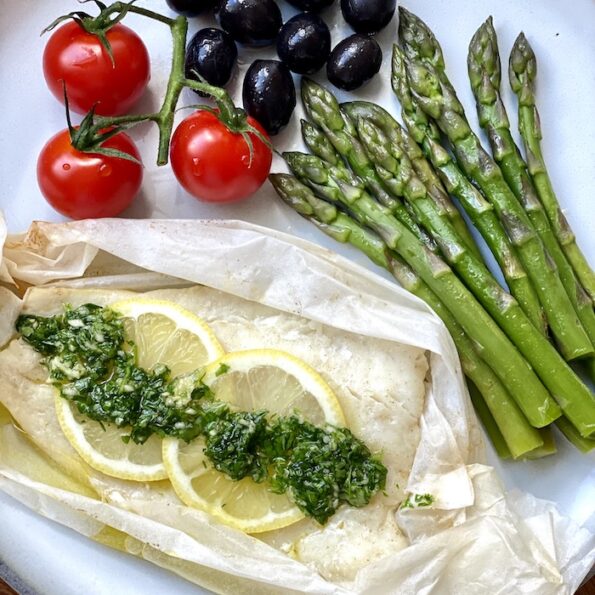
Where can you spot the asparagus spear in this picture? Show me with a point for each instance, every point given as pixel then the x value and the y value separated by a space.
pixel 485 75
pixel 489 423
pixel 322 108
pixel 480 211
pixel 437 98
pixel 436 190
pixel 393 166
pixel 574 437
pixel 388 128
pixel 313 136
pixel 319 144
pixel 547 448
pixel 340 186
pixel 329 218
pixel 513 428
pixel 521 73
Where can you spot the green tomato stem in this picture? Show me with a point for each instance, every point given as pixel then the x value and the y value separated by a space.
pixel 233 117
pixel 145 12
pixel 165 120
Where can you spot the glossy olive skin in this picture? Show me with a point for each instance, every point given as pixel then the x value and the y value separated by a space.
pixel 353 61
pixel 304 43
pixel 311 5
pixel 250 22
pixel 212 53
pixel 368 16
pixel 269 94
pixel 191 8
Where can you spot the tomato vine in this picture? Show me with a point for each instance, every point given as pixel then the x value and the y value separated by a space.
pixel 94 130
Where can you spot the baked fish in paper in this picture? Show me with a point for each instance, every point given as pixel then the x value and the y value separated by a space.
pixel 379 384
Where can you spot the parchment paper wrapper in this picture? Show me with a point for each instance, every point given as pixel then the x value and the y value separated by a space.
pixel 475 538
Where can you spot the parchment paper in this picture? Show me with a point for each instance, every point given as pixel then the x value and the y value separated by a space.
pixel 475 538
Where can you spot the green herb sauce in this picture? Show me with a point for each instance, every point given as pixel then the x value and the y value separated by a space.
pixel 93 365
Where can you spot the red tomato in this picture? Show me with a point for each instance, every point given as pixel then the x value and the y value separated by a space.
pixel 213 163
pixel 76 57
pixel 88 185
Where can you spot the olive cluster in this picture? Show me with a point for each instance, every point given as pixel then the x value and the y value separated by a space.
pixel 303 45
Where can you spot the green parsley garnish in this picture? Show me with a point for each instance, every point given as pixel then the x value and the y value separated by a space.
pixel 418 501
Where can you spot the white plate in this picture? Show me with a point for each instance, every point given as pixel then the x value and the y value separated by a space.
pixel 562 36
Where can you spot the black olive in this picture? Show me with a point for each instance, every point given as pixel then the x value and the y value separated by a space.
pixel 304 43
pixel 368 16
pixel 212 54
pixel 191 8
pixel 354 61
pixel 251 22
pixel 269 94
pixel 311 5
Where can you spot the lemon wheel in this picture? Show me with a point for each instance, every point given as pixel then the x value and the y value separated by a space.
pixel 249 380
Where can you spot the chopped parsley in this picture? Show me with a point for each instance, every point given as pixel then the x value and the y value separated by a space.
pixel 418 501
pixel 93 365
pixel 321 467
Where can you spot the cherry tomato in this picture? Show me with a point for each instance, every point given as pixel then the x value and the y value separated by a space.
pixel 88 185
pixel 76 57
pixel 213 163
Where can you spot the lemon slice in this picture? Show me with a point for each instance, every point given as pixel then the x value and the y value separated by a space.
pixel 165 333
pixel 258 379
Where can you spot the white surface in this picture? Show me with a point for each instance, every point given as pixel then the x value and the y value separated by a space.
pixel 562 39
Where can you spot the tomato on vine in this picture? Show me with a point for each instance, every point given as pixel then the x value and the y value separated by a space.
pixel 94 170
pixel 85 185
pixel 109 70
pixel 216 163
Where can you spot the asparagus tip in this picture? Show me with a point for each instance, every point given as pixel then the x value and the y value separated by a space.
pixel 521 49
pixel 418 40
pixel 489 23
pixel 276 178
pixel 483 59
pixel 521 39
pixel 307 83
pixel 404 13
pixel 406 20
pixel 522 65
pixel 484 36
